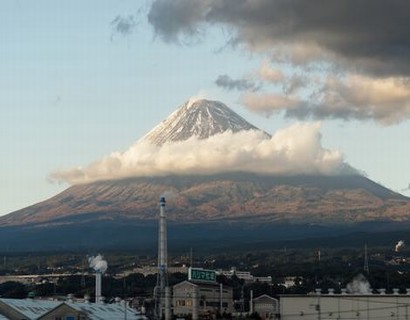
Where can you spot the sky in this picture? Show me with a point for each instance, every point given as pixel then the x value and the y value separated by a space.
pixel 82 81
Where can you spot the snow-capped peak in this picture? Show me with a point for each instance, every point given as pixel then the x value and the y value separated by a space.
pixel 201 118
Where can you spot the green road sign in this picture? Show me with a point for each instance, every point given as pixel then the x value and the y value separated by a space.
pixel 197 274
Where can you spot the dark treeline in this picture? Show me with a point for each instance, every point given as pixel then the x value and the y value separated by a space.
pixel 309 268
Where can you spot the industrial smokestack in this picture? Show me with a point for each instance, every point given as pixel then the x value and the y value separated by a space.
pixel 98 287
pixel 100 266
pixel 162 275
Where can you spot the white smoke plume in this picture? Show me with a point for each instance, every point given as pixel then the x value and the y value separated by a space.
pixel 294 150
pixel 399 246
pixel 98 263
pixel 359 285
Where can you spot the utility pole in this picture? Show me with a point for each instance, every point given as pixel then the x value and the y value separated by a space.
pixel 366 261
pixel 220 298
pixel 242 301
pixel 251 303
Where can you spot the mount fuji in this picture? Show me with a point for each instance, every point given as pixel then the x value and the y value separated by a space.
pixel 200 118
pixel 204 209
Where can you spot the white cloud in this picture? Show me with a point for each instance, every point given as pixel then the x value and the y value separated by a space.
pixel 267 73
pixel 386 100
pixel 290 151
pixel 268 103
pixel 353 96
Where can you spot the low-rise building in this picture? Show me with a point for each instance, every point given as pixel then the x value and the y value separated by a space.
pixel 345 306
pixel 266 306
pixel 17 309
pixel 244 275
pixel 36 309
pixel 207 298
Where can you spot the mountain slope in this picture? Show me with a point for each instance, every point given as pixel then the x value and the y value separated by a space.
pixel 225 197
pixel 200 118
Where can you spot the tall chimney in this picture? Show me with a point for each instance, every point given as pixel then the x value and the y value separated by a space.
pixel 162 275
pixel 98 286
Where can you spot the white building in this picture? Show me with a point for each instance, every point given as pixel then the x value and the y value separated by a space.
pixel 266 306
pixel 345 306
pixel 244 275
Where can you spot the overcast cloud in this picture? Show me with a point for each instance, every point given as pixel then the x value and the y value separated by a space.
pixel 364 45
pixel 371 34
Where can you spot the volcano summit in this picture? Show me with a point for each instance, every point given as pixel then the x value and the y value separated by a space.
pixel 227 181
pixel 198 118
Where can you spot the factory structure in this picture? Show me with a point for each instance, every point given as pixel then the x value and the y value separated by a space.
pixel 345 306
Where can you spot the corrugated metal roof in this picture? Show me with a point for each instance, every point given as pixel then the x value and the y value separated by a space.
pixel 31 309
pixel 34 309
pixel 106 311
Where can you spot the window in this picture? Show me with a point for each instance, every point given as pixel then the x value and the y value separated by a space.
pixel 183 303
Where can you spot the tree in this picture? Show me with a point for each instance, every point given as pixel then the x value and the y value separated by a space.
pixel 13 289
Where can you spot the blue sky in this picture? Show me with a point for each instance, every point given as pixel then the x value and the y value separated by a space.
pixel 74 89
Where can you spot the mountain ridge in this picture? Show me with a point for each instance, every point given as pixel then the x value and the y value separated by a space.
pixel 200 118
